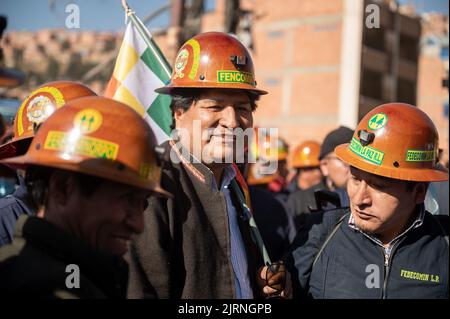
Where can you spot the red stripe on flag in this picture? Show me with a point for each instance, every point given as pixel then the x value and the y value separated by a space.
pixel 241 181
pixel 112 87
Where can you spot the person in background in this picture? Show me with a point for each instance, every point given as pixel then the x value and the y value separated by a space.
pixel 305 161
pixel 330 193
pixel 34 111
pixel 276 225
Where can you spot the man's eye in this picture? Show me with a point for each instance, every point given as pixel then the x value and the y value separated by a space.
pixel 244 108
pixel 355 179
pixel 215 107
pixel 379 186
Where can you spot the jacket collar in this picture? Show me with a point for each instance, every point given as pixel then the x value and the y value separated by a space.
pixel 109 273
pixel 198 171
pixel 415 224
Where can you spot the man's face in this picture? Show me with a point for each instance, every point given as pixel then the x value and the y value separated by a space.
pixel 219 112
pixel 335 169
pixel 110 216
pixel 283 170
pixel 380 205
pixel 308 177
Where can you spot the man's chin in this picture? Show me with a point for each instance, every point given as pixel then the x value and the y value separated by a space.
pixel 220 155
pixel 366 226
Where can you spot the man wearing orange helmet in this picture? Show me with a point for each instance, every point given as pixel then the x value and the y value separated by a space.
pixel 307 180
pixel 91 185
pixel 198 244
pixel 275 224
pixel 35 110
pixel 305 160
pixel 386 245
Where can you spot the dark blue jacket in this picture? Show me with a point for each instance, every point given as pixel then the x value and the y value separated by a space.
pixel 11 207
pixel 275 224
pixel 352 266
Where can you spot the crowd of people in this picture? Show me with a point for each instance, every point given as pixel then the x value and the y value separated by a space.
pixel 360 214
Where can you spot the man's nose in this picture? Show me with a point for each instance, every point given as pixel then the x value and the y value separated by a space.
pixel 229 117
pixel 135 221
pixel 362 195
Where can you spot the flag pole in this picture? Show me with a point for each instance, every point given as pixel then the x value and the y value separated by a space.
pixel 140 27
pixel 251 221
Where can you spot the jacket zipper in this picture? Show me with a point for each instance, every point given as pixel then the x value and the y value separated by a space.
pixel 387 266
pixel 386 273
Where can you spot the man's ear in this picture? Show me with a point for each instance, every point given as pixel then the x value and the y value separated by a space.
pixel 420 191
pixel 178 114
pixel 324 167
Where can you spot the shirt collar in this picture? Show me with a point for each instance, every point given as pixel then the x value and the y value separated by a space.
pixel 417 223
pixel 228 175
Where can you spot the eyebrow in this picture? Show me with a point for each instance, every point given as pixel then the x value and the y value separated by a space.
pixel 222 101
pixel 372 176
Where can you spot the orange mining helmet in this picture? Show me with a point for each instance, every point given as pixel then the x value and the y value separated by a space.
pixel 395 140
pixel 265 149
pixel 255 177
pixel 306 155
pixel 36 108
pixel 213 60
pixel 100 137
pixel 268 149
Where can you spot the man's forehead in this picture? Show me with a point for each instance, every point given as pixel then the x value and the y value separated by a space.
pixel 221 100
pixel 226 95
pixel 369 176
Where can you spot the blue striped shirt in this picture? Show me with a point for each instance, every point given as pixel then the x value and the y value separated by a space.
pixel 238 253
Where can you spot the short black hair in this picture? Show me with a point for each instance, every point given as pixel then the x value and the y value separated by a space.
pixel 37 180
pixel 183 99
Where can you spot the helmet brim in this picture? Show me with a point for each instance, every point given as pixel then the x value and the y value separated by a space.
pixel 418 175
pixel 98 167
pixel 15 147
pixel 171 90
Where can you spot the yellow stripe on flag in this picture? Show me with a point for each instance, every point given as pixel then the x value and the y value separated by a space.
pixel 126 60
pixel 124 95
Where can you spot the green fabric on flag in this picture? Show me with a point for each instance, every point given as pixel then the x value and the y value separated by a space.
pixel 160 112
pixel 154 65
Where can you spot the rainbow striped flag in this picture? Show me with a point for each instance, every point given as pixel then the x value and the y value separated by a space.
pixel 140 69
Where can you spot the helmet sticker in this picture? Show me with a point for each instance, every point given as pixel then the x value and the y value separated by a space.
pixel 420 156
pixel 39 106
pixel 88 120
pixel 377 121
pixel 369 153
pixel 149 171
pixel 195 59
pixel 224 76
pixel 180 63
pixel 39 109
pixel 84 145
pixel 183 57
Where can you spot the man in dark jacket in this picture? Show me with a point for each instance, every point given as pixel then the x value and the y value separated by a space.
pixel 90 187
pixel 386 245
pixel 35 110
pixel 199 244
pixel 333 184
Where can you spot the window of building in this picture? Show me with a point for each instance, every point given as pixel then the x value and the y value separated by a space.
pixel 406 91
pixel 409 48
pixel 444 53
pixel 374 38
pixel 372 84
pixel 210 5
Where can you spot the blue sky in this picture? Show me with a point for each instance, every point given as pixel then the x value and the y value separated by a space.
pixel 107 15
